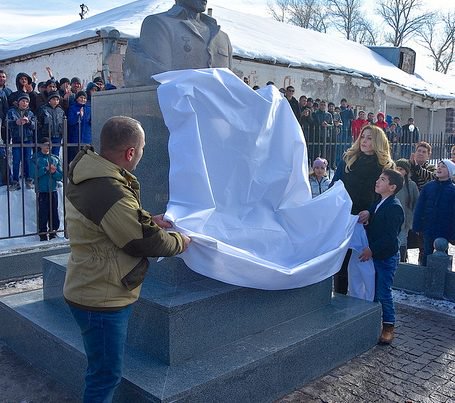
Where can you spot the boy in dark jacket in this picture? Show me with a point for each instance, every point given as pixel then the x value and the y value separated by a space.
pixel 386 217
pixel 50 122
pixel 434 215
pixel 47 171
pixel 22 124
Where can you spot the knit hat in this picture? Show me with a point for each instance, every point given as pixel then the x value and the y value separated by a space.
pixel 23 95
pixel 450 166
pixel 50 81
pixel 45 140
pixel 98 80
pixel 320 162
pixel 76 80
pixel 53 94
pixel 81 94
pixel 404 163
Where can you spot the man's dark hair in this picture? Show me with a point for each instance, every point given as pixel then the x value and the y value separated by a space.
pixel 330 103
pixel 344 100
pixel 3 72
pixel 290 87
pixel 395 178
pixel 423 144
pixel 270 83
pixel 119 132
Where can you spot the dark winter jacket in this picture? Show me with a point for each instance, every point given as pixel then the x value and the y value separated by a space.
pixel 295 107
pixel 383 228
pixel 347 116
pixel 50 123
pixel 410 137
pixel 3 106
pixel 434 214
pixel 26 131
pixel 360 181
pixel 45 181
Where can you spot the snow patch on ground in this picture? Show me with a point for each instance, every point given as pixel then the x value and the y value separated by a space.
pixel 14 287
pixel 422 302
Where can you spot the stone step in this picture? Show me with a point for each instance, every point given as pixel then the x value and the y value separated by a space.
pixel 191 318
pixel 259 367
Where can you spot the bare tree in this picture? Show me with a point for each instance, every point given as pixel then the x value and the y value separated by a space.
pixel 346 15
pixel 403 17
pixel 438 37
pixel 365 33
pixel 311 14
pixel 279 9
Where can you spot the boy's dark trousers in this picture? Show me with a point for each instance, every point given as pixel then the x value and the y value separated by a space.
pixel 48 212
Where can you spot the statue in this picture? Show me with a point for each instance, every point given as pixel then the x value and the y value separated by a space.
pixel 180 38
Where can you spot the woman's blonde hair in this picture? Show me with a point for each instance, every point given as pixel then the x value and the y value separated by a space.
pixel 381 148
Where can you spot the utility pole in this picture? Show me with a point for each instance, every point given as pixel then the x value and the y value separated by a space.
pixel 84 10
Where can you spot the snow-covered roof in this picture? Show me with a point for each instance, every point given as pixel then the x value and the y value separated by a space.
pixel 252 37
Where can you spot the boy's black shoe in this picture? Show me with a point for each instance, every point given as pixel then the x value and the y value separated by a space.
pixel 43 237
pixel 52 236
pixel 387 334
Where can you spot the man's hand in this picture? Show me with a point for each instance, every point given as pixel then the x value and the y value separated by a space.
pixel 186 241
pixel 412 159
pixel 364 216
pixel 366 254
pixel 161 222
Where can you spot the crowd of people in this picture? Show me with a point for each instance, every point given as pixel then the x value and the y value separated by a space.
pixel 32 122
pixel 407 203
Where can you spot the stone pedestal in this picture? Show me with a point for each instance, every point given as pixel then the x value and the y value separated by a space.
pixel 194 339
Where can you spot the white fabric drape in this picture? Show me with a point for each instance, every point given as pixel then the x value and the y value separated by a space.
pixel 361 275
pixel 238 185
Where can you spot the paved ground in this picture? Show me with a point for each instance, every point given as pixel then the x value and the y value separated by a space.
pixel 418 367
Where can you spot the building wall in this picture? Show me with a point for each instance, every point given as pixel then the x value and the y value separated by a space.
pixel 359 92
pixel 83 61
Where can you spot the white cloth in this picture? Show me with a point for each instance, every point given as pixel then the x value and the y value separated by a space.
pixel 361 275
pixel 238 185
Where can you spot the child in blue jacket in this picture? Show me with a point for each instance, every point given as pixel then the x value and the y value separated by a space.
pixel 434 215
pixel 48 171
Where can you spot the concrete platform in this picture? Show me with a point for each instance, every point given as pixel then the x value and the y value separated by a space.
pixel 254 363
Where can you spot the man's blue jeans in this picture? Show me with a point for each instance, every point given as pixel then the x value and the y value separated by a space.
pixel 104 334
pixel 385 272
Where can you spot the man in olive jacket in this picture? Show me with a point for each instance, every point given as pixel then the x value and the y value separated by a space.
pixel 110 238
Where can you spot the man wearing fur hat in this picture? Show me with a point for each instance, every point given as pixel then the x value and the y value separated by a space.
pixel 21 125
pixel 434 216
pixel 180 38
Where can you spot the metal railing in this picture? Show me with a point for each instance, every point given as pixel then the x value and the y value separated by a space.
pixel 326 142
pixel 17 197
